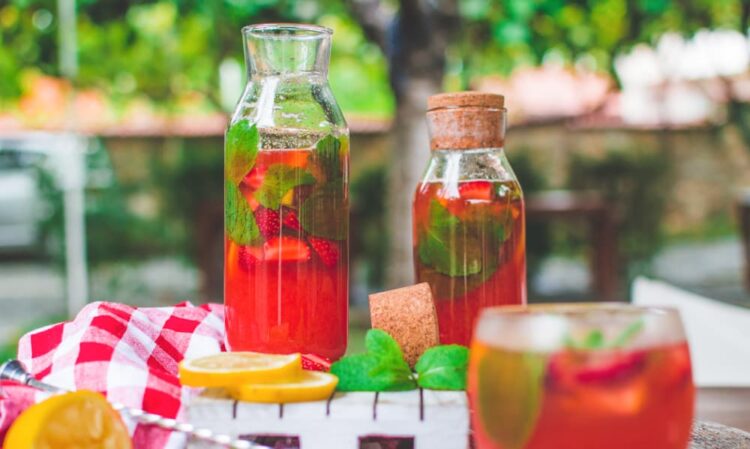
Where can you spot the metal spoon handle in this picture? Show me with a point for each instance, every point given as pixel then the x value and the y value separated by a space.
pixel 14 370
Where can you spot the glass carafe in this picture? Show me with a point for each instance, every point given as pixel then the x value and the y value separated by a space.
pixel 286 199
pixel 468 217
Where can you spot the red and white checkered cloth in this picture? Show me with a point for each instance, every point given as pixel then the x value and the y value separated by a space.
pixel 129 354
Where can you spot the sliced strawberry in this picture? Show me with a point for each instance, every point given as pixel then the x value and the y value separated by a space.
pixel 315 362
pixel 286 248
pixel 327 250
pixel 249 256
pixel 268 222
pixel 254 178
pixel 475 190
pixel 570 367
pixel 290 219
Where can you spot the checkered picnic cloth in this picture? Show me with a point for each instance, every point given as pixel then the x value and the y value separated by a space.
pixel 129 354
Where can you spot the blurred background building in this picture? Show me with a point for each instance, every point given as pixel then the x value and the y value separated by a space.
pixel 630 133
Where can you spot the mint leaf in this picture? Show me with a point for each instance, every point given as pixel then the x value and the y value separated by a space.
pixel 327 157
pixel 443 368
pixel 278 181
pixel 239 220
pixel 325 212
pixel 628 334
pixel 240 150
pixel 381 368
pixel 380 343
pixel 595 338
pixel 448 245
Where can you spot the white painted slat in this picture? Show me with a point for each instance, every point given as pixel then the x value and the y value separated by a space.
pixel 347 417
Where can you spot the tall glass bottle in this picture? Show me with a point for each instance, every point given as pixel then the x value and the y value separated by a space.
pixel 468 217
pixel 286 199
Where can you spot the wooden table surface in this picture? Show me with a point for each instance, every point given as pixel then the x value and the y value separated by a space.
pixel 728 406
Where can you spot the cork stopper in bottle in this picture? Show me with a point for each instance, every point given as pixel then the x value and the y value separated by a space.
pixel 466 120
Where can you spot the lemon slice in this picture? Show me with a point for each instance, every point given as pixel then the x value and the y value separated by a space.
pixel 310 386
pixel 78 420
pixel 233 368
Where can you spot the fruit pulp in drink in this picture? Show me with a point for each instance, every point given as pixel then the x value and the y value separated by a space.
pixel 469 245
pixel 576 399
pixel 288 290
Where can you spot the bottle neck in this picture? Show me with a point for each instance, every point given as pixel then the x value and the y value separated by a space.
pixel 286 50
pixel 466 128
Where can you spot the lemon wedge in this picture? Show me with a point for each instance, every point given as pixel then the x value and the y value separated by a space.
pixel 78 420
pixel 309 386
pixel 229 369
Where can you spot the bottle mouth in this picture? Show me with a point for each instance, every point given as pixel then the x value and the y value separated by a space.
pixel 287 31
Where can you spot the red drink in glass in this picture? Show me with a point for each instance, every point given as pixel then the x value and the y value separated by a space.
pixel 621 386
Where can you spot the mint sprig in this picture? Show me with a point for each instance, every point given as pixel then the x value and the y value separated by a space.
pixel 443 368
pixel 383 368
pixel 278 181
pixel 239 220
pixel 450 246
pixel 325 212
pixel 595 339
pixel 327 157
pixel 241 149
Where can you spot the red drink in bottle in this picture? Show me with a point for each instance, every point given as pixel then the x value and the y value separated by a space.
pixel 286 200
pixel 468 216
pixel 293 281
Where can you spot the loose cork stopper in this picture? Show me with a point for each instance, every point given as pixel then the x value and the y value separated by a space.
pixel 466 120
pixel 408 314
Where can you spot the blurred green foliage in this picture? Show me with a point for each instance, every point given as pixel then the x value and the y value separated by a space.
pixel 113 231
pixel 637 181
pixel 500 35
pixel 163 50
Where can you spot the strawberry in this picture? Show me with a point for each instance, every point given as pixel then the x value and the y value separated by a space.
pixel 475 190
pixel 327 250
pixel 268 222
pixel 254 178
pixel 314 362
pixel 586 368
pixel 290 219
pixel 249 256
pixel 286 248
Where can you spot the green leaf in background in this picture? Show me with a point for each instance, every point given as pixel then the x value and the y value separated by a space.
pixel 238 216
pixel 443 368
pixel 327 157
pixel 241 148
pixel 381 368
pixel 510 395
pixel 325 212
pixel 278 181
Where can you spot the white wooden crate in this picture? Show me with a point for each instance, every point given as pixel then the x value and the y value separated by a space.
pixel 433 419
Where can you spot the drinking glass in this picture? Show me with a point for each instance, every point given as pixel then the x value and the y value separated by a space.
pixel 580 376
